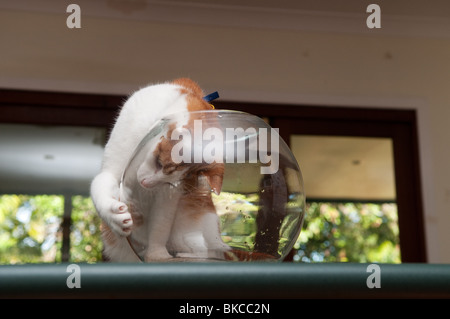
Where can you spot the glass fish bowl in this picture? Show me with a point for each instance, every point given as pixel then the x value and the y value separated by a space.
pixel 213 185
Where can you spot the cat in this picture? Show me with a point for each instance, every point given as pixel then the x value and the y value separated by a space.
pixel 167 220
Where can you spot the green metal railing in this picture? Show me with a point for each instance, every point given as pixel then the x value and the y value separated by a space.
pixel 225 280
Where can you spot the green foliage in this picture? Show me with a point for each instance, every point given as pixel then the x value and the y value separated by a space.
pixel 349 232
pixel 85 241
pixel 29 228
pixel 237 214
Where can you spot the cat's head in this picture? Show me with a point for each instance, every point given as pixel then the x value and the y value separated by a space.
pixel 160 167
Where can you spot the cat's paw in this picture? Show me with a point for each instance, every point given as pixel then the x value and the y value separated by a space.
pixel 158 254
pixel 219 247
pixel 218 251
pixel 120 220
pixel 198 255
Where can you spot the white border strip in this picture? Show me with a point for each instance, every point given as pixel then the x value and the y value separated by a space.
pixel 185 12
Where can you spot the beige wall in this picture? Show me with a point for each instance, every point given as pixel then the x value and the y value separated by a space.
pixel 110 55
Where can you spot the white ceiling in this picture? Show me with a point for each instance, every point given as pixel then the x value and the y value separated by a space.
pixel 399 17
pixel 412 8
pixel 129 9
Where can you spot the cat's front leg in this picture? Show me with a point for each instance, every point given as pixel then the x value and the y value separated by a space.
pixel 105 195
pixel 213 238
pixel 160 222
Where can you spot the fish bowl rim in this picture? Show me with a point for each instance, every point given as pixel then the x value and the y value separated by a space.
pixel 212 111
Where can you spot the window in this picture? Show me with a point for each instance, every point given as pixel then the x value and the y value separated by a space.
pixel 349 232
pixel 397 126
pixel 351 203
pixel 42 135
pixel 45 212
pixel 34 229
pixel 98 111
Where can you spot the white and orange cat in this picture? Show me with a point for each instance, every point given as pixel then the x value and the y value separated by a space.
pixel 168 223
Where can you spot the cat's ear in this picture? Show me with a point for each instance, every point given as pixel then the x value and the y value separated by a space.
pixel 215 182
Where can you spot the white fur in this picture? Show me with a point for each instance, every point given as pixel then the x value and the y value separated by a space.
pixel 192 238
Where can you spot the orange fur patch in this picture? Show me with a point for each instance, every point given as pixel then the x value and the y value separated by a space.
pixel 196 200
pixel 189 85
pixel 194 95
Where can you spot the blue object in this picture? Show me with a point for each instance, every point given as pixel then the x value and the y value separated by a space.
pixel 211 97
